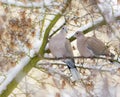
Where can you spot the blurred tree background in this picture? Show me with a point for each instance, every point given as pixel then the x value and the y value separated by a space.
pixel 28 69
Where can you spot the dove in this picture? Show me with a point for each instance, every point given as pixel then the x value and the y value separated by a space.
pixel 91 46
pixel 60 47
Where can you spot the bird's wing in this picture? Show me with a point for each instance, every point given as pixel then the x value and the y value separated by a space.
pixel 68 48
pixel 97 46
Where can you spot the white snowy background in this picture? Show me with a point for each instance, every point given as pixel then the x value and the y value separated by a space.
pixel 47 80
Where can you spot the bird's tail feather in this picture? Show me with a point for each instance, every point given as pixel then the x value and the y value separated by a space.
pixel 75 74
pixel 71 65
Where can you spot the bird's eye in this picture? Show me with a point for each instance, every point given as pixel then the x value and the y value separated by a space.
pixel 77 33
pixel 63 28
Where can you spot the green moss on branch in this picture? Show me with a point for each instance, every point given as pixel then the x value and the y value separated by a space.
pixel 11 86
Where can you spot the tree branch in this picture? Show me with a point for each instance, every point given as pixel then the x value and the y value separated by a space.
pixel 9 87
pixel 53 22
pixel 89 27
pixel 15 81
pixel 83 66
pixel 51 70
pixel 81 57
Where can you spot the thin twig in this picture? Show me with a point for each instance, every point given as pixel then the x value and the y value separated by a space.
pixel 85 66
pixel 51 70
pixel 56 30
pixel 81 57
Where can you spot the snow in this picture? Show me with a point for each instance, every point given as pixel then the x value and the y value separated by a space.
pixel 13 72
pixel 113 2
pixel 2 78
pixel 36 45
pixel 48 2
pixel 61 22
pixel 30 4
pixel 85 27
pixel 95 22
pixel 108 8
pixel 68 92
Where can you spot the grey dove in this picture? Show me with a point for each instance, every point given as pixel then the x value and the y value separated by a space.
pixel 91 46
pixel 60 47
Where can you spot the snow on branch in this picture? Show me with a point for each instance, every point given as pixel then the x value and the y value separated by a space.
pixel 27 5
pixel 16 74
pixel 107 11
pixel 99 67
pixel 92 25
pixel 13 72
pixel 11 83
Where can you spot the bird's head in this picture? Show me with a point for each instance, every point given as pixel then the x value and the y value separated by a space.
pixel 64 29
pixel 78 34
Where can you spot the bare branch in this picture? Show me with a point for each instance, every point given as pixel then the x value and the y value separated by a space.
pixel 51 70
pixel 89 27
pixel 83 66
pixel 81 57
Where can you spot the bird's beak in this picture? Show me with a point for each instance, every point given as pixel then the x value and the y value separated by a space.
pixel 66 31
pixel 74 36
